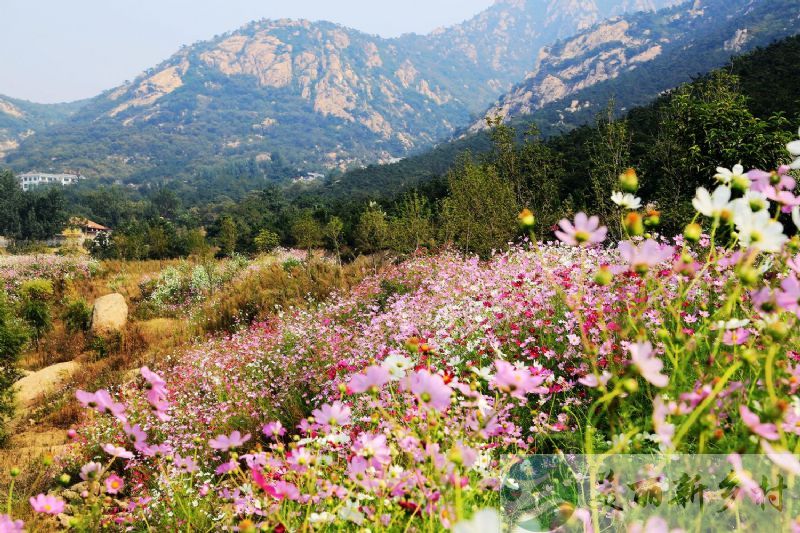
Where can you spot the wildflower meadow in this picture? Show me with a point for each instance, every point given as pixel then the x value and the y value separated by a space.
pixel 404 403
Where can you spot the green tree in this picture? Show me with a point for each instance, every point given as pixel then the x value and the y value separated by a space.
pixel 334 233
pixel 226 239
pixel 306 231
pixel 372 230
pixel 609 155
pixel 35 306
pixel 480 214
pixel 412 228
pixel 13 337
pixel 266 241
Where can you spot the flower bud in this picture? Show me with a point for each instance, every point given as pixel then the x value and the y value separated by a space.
pixel 14 471
pixel 749 276
pixel 631 385
pixel 72 434
pixel 47 459
pixel 526 219
pixel 633 224
pixel 662 334
pixel 64 479
pixel 412 345
pixel 604 276
pixel 629 181
pixel 778 330
pixel 652 218
pixel 740 183
pixel 692 232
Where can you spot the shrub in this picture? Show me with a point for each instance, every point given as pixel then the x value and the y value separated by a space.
pixel 77 315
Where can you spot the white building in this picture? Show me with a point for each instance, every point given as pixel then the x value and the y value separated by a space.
pixel 31 180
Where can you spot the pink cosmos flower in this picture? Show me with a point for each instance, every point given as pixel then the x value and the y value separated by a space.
pixel 648 365
pixel 430 390
pixel 645 256
pixel 654 524
pixel 786 199
pixel 227 466
pixel 373 447
pixel 334 414
pixel 102 402
pixel 135 434
pixel 159 450
pixel 745 482
pixel 373 379
pixel 299 459
pixel 44 503
pixel 114 484
pixel 9 525
pixel 281 490
pixel 783 459
pixel 780 179
pixel 754 424
pixel 592 381
pixel 584 232
pixel 90 470
pixel 185 464
pixel 273 430
pixel 518 382
pixel 225 443
pixel 117 451
pixel 735 337
pixel 789 295
pixel 664 430
pixel 765 300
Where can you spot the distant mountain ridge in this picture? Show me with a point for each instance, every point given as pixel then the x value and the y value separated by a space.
pixel 307 95
pixel 717 29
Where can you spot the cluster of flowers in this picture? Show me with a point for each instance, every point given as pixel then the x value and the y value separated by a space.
pixel 16 269
pixel 400 414
pixel 176 289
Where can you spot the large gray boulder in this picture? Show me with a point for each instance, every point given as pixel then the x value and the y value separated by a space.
pixel 110 314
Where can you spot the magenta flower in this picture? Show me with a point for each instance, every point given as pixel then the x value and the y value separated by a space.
pixel 227 466
pixel 273 430
pixel 373 379
pixel 430 390
pixel 331 415
pixel 517 382
pixel 754 424
pixel 117 451
pixel 281 490
pixel 648 365
pixel 584 232
pixel 9 525
pixel 44 503
pixel 114 484
pixel 645 256
pixel 225 443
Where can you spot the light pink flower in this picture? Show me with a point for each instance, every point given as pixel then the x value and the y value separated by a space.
pixel 783 459
pixel 430 390
pixel 44 503
pixel 114 484
pixel 745 482
pixel 735 337
pixel 102 402
pixel 517 382
pixel 584 232
pixel 374 378
pixel 334 414
pixel 91 470
pixel 273 430
pixel 373 448
pixel 9 525
pixel 754 424
pixel 225 443
pixel 645 256
pixel 117 451
pixel 648 365
pixel 185 464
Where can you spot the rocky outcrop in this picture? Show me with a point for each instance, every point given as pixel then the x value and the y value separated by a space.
pixel 109 315
pixel 42 382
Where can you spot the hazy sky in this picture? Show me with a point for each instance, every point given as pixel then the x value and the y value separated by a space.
pixel 62 50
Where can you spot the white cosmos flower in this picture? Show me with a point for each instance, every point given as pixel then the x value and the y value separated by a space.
pixel 726 176
pixel 752 201
pixel 796 216
pixel 484 373
pixel 794 150
pixel 626 200
pixel 712 204
pixel 758 231
pixel 734 323
pixel 397 365
pixel 484 521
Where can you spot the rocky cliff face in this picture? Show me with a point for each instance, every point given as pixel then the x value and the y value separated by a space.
pixel 624 43
pixel 325 96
